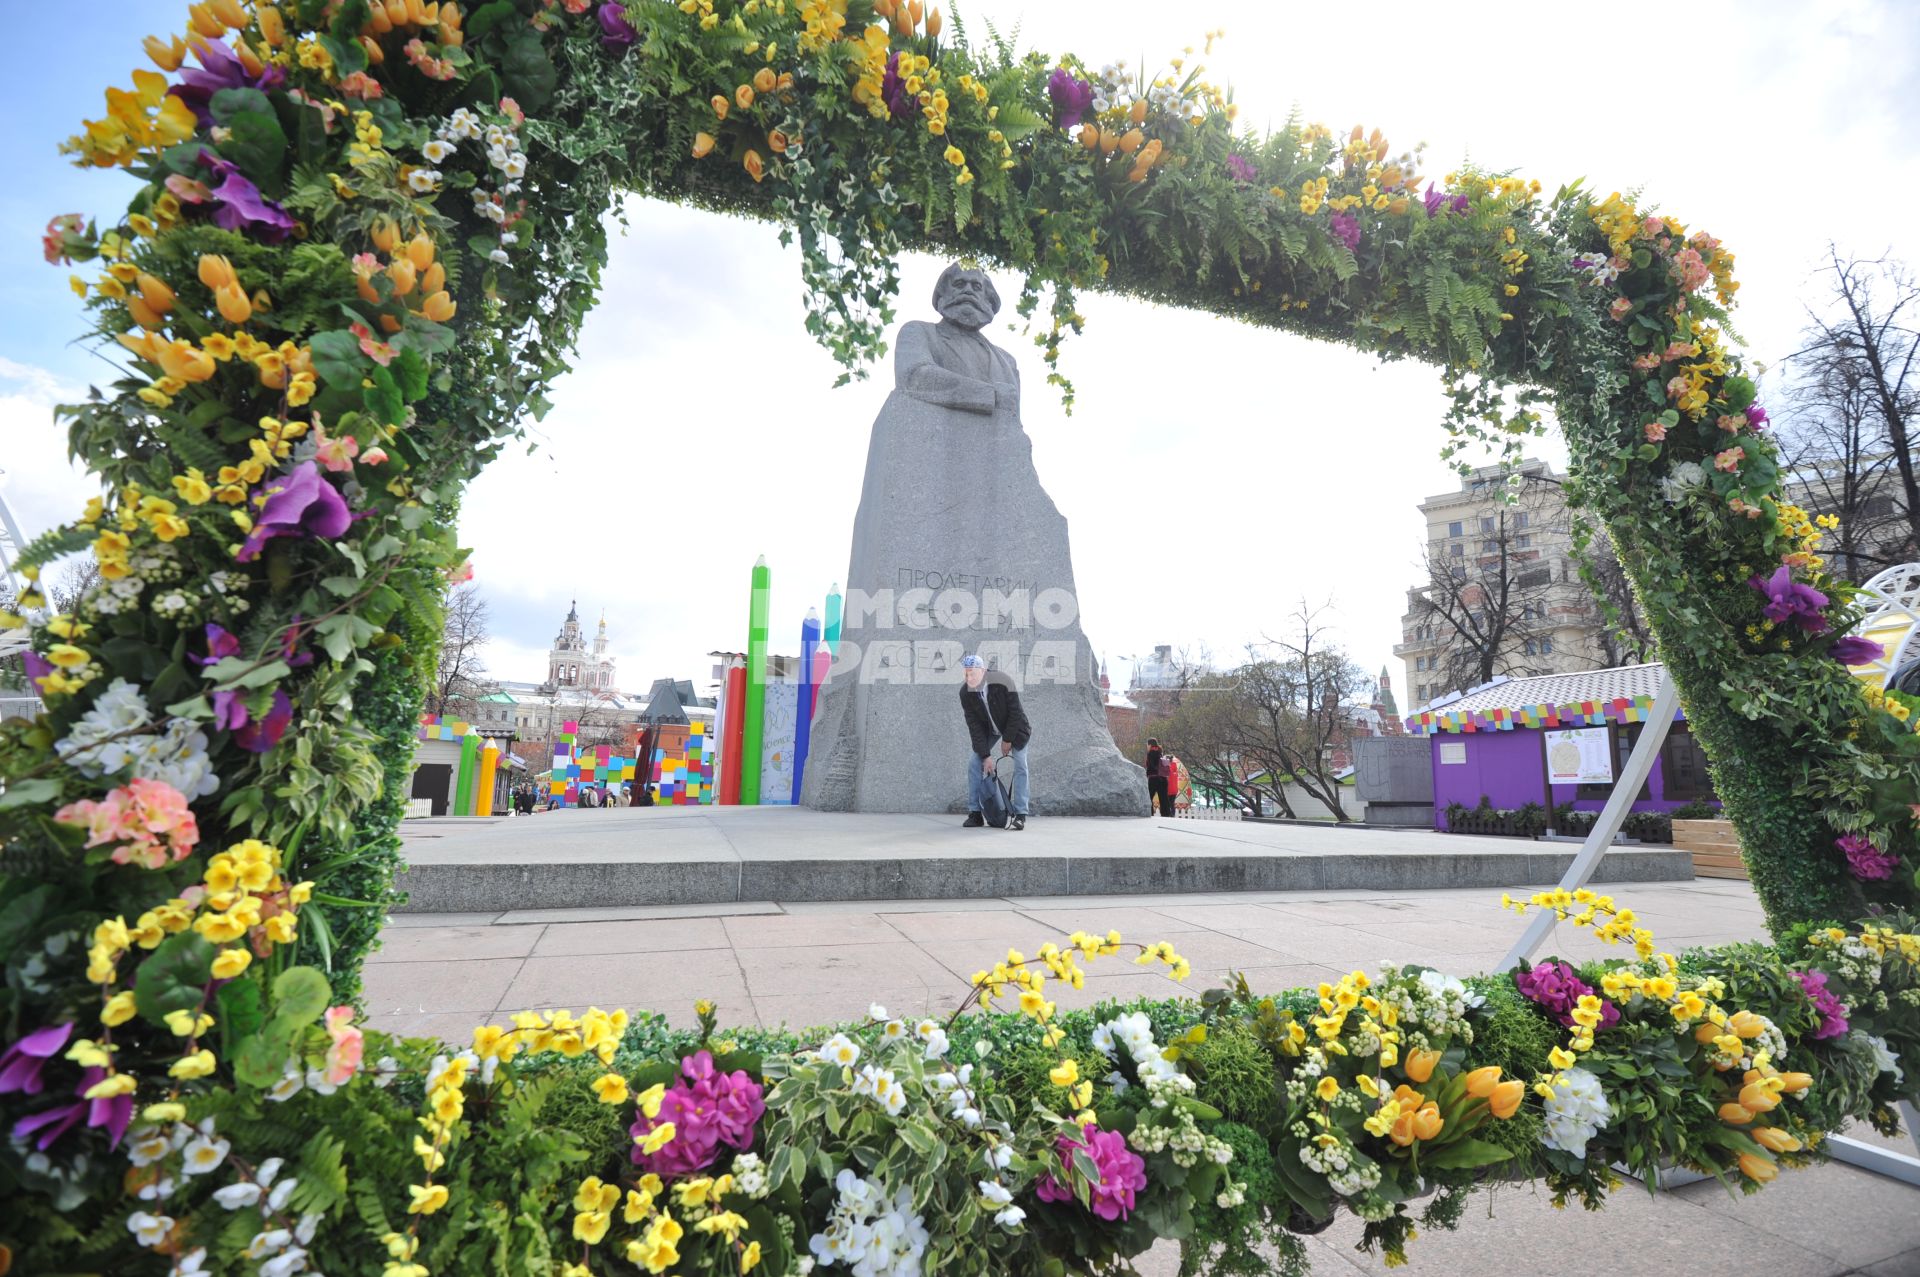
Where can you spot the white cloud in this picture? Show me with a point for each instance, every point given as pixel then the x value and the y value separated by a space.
pixel 40 485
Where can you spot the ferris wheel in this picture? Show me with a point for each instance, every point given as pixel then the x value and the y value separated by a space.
pixel 1893 621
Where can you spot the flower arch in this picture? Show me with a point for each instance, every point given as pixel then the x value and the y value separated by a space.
pixel 361 242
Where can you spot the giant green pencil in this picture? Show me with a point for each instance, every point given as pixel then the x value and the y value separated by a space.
pixel 756 707
pixel 467 774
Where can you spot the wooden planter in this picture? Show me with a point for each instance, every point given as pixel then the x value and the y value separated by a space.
pixel 1713 845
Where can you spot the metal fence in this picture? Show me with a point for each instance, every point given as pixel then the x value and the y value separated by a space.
pixel 19 706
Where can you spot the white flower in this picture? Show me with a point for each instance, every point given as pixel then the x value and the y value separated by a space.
pixel 286 1263
pixel 969 1118
pixel 983 1048
pixel 463 124
pixel 194 1261
pixel 203 1154
pixel 877 1012
pixel 268 1169
pixel 268 1242
pixel 1001 1156
pixel 840 1049
pixel 1883 1057
pixel 157 1191
pixel 894 1029
pixel 1576 1112
pixel 1010 1217
pixel 149 1230
pixel 121 709
pixel 149 1145
pixel 235 1196
pixel 317 1082
pixel 436 150
pixel 288 1086
pixel 424 180
pixel 936 1045
pixel 498 255
pixel 516 165
pixel 178 757
pixel 750 1175
pixel 309 1224
pixel 994 1193
pixel 277 1200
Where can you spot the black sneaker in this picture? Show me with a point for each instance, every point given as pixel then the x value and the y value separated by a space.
pixel 974 820
pixel 1016 822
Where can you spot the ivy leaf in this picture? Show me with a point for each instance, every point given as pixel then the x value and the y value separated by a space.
pixel 528 71
pixel 382 399
pixel 21 792
pixel 173 977
pixel 337 358
pixel 1463 1155
pixel 262 1059
pixel 487 17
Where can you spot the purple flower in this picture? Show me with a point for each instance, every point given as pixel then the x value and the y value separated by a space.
pixel 1438 202
pixel 1123 1172
pixel 1833 1012
pixel 112 1114
pixel 893 90
pixel 1558 991
pixel 20 1066
pixel 220 645
pixel 1241 168
pixel 230 711
pixel 289 647
pixel 301 504
pixel 262 734
pixel 1072 97
pixel 219 69
pixel 1787 600
pixel 615 31
pixel 1756 416
pixel 1854 650
pixel 238 204
pixel 1866 861
pixel 1346 229
pixel 709 1108
pixel 38 666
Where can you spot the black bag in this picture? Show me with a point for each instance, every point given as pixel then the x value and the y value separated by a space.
pixel 998 805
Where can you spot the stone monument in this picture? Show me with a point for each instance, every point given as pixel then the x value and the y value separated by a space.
pixel 957 549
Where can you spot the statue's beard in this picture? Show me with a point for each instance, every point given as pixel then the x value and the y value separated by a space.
pixel 968 314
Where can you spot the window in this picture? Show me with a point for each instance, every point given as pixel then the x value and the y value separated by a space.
pixel 1546 647
pixel 1684 766
pixel 1486 523
pixel 1489 547
pixel 1623 741
pixel 1538 576
pixel 1457 551
pixel 1524 542
pixel 1455 529
pixel 1520 520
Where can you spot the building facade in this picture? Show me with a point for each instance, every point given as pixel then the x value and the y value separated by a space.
pixel 1500 580
pixel 570 664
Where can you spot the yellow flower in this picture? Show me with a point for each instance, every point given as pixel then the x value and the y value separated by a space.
pixel 192 487
pixel 639 1202
pixel 650 1099
pixel 1561 1058
pixel 109 1087
pixel 427 1198
pixel 611 1088
pixel 955 155
pixel 199 1064
pixel 656 1139
pixel 118 1009
pixel 66 656
pixel 165 1111
pixel 1065 1073
pixel 1328 1088
pixel 231 963
pixel 591 1226
pixel 749 1258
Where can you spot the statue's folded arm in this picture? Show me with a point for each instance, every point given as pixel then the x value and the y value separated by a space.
pixel 915 373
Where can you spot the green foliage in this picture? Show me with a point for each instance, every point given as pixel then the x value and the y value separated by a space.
pixel 1235 1074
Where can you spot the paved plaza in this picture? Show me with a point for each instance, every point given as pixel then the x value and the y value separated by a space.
pixel 809 963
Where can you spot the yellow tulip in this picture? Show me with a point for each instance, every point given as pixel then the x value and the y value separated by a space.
pixel 1735 1114
pixel 1758 1169
pixel 385 235
pixel 1793 1083
pixel 439 307
pixel 403 275
pixel 1480 1082
pixel 143 314
pixel 1130 141
pixel 702 143
pixel 764 80
pixel 1090 136
pixel 1747 1024
pixel 233 303
pixel 744 96
pixel 719 104
pixel 249 60
pixel 1775 1140
pixel 1427 1122
pixel 434 280
pixel 933 24
pixel 167 56
pixel 377 20
pixel 1758 1097
pixel 215 271
pixel 229 12
pixel 1139 112
pixel 420 251
pixel 777 142
pixel 1420 1064
pixel 753 165
pixel 205 22
pixel 375 54
pixel 155 293
pixel 1505 1101
pixel 272 28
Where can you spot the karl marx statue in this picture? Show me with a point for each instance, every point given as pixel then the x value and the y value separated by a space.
pixel 953 516
pixel 950 364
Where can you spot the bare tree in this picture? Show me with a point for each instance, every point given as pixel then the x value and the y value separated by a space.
pixel 460 682
pixel 1851 404
pixel 1491 602
pixel 1624 637
pixel 1296 692
pixel 1208 732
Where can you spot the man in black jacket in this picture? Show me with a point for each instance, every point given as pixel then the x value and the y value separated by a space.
pixel 992 708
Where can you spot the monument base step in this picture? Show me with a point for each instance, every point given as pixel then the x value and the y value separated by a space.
pixel 629 857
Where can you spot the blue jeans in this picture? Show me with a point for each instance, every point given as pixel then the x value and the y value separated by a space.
pixel 977 781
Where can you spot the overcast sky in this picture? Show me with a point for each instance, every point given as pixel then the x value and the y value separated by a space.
pixel 1212 474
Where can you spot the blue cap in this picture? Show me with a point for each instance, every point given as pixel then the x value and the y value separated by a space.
pixel 972 663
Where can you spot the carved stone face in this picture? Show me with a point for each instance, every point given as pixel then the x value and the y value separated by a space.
pixel 966 297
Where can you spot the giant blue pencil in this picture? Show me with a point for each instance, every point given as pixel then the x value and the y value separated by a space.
pixel 753 719
pixel 803 710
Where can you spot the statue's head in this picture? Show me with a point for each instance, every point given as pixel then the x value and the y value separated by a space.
pixel 966 296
